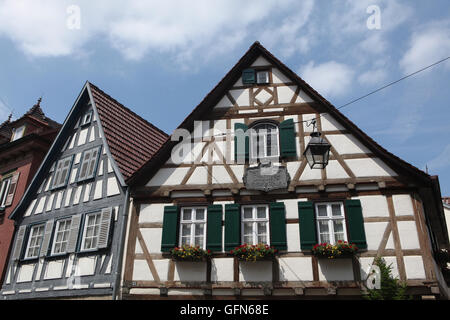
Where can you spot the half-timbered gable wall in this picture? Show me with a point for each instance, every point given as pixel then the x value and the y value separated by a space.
pixel 380 207
pixel 67 240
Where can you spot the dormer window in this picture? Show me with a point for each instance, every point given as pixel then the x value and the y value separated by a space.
pixel 262 77
pixel 18 133
pixel 86 118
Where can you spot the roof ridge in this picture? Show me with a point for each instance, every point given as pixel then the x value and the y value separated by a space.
pixel 126 108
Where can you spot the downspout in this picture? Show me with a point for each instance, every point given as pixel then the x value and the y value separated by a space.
pixel 121 246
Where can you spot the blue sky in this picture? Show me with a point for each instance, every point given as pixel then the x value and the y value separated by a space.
pixel 161 58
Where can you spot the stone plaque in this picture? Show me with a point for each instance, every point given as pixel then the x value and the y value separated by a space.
pixel 266 177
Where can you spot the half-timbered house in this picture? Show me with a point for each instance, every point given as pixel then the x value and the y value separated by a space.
pixel 71 219
pixel 24 143
pixel 204 188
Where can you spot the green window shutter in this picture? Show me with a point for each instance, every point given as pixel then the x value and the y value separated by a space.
pixel 355 220
pixel 248 76
pixel 278 225
pixel 241 140
pixel 307 225
pixel 232 226
pixel 170 228
pixel 287 138
pixel 214 228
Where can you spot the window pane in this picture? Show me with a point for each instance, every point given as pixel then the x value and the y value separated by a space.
pixel 248 228
pixel 185 240
pixel 200 214
pixel 199 228
pixel 199 241
pixel 187 214
pixel 186 230
pixel 325 237
pixel 336 210
pixel 338 230
pixel 323 226
pixel 261 213
pixel 248 213
pixel 248 239
pixel 322 211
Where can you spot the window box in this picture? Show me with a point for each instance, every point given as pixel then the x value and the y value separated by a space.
pixel 252 253
pixel 342 249
pixel 190 254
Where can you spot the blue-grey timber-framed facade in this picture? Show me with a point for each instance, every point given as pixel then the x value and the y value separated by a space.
pixel 70 223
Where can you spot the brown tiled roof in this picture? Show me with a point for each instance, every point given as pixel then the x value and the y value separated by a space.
pixel 131 139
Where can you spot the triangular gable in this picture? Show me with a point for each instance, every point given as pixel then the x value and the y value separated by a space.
pixel 217 98
pixel 116 140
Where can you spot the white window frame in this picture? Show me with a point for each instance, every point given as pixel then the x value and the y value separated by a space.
pixel 255 220
pixel 194 222
pixel 85 227
pixel 59 170
pixel 4 190
pixel 255 136
pixel 18 133
pixel 91 162
pixel 267 78
pixel 87 118
pixel 330 218
pixel 31 237
pixel 66 234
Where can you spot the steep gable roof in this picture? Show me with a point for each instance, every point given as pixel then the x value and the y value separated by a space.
pixel 140 177
pixel 131 139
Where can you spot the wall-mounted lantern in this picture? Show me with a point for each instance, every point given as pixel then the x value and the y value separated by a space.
pixel 317 151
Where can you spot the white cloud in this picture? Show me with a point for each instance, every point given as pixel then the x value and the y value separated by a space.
pixel 427 46
pixel 178 29
pixel 329 78
pixel 441 161
pixel 373 77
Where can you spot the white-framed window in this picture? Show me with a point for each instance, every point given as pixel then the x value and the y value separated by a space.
pixel 18 133
pixel 34 241
pixel 262 77
pixel 61 237
pixel 264 141
pixel 87 118
pixel 255 224
pixel 4 189
pixel 88 164
pixel 91 231
pixel 62 171
pixel 331 222
pixel 193 226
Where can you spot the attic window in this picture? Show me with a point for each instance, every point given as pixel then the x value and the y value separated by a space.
pixel 86 118
pixel 18 133
pixel 262 77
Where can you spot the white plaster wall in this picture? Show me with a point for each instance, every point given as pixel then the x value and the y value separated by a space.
pixel 369 167
pixel 414 267
pixel 54 269
pixel 374 234
pixel 30 208
pixel 238 171
pixel 296 269
pixel 335 269
pixel 82 137
pixel 199 176
pixel 329 123
pixel 190 271
pixel 85 266
pixel 222 269
pixel 152 212
pixel 447 218
pixel 303 97
pixel 152 238
pixel 335 170
pixel 292 167
pixel 279 77
pixel 403 205
pixel 346 144
pixel 374 206
pixel 98 192
pixel 141 271
pixel 260 62
pixel 310 174
pixel 285 94
pixel 255 271
pixel 162 268
pixel 26 273
pixel 168 176
pixel 112 187
pixel 293 237
pixel 408 234
pixel 220 175
pixel 241 96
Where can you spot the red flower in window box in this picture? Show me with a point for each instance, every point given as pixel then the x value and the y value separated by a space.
pixel 257 252
pixel 339 250
pixel 190 253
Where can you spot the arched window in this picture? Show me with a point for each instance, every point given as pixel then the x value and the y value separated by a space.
pixel 264 141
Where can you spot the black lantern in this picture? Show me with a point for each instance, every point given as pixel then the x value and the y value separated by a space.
pixel 317 152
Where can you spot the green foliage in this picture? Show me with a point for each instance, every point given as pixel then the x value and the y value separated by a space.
pixel 391 288
pixel 190 253
pixel 247 252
